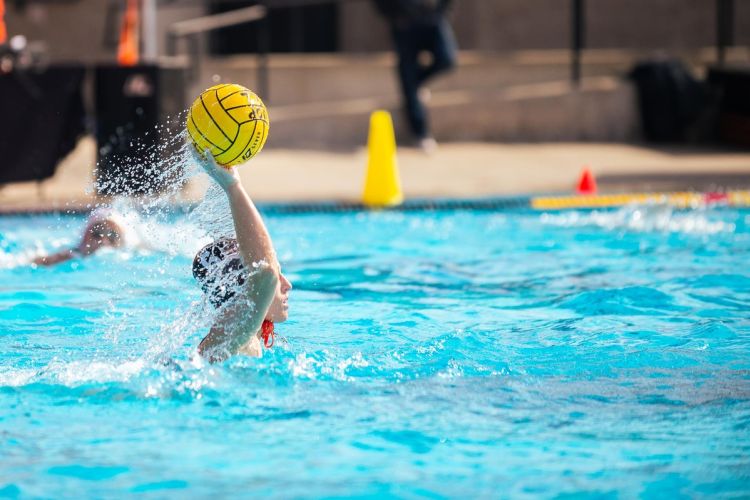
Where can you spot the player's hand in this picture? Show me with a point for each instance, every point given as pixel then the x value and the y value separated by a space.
pixel 224 177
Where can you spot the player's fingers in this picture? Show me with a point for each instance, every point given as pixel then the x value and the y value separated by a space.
pixel 210 158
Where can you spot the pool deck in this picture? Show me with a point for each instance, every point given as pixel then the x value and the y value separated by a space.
pixel 455 170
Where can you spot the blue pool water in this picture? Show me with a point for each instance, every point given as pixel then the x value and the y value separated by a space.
pixel 428 355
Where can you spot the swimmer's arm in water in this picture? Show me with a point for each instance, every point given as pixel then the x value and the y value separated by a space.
pixel 239 322
pixel 55 258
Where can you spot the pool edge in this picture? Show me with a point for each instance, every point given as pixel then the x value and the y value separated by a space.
pixel 681 199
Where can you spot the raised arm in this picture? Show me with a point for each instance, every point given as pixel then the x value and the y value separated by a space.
pixel 239 322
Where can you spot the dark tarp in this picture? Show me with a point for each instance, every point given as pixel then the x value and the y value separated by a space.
pixel 670 98
pixel 41 118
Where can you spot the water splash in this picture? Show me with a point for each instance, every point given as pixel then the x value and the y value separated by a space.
pixel 168 168
pixel 644 218
pixel 148 184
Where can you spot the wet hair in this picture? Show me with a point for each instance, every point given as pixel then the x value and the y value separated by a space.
pixel 219 270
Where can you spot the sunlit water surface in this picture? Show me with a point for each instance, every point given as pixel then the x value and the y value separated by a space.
pixel 428 354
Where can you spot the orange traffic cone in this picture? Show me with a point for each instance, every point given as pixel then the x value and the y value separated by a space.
pixel 3 31
pixel 127 51
pixel 586 183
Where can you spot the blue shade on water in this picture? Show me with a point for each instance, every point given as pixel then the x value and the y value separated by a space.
pixel 428 355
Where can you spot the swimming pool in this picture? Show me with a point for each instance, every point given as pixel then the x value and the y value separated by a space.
pixel 429 354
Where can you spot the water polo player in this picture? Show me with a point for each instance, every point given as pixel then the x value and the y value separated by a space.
pixel 241 277
pixel 105 228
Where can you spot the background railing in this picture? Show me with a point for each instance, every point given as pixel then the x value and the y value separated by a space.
pixel 724 27
pixel 190 29
pixel 724 33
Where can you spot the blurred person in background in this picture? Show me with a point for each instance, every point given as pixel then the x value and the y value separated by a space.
pixel 420 31
pixel 105 228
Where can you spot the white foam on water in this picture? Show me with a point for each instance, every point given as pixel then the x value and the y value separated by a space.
pixel 154 232
pixel 140 377
pixel 16 377
pixel 15 251
pixel 72 373
pixel 14 259
pixel 325 364
pixel 643 218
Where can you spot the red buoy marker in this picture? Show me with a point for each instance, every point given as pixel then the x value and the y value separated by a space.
pixel 586 183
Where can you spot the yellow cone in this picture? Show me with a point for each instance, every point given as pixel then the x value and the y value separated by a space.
pixel 382 184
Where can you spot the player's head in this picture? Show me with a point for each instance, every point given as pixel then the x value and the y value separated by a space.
pixel 219 270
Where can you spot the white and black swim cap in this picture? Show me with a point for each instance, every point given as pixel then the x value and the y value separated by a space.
pixel 219 270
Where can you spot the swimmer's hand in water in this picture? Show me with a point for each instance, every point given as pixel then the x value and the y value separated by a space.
pixel 224 177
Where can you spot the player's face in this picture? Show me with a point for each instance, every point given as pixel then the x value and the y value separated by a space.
pixel 279 310
pixel 100 234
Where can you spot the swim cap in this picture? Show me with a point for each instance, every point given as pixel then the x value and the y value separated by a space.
pixel 219 270
pixel 109 220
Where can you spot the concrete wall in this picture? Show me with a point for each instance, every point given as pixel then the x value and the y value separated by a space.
pixel 499 25
pixel 70 31
pixel 75 29
pixel 171 13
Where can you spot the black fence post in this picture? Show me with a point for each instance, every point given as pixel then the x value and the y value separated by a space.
pixel 577 30
pixel 724 28
pixel 195 51
pixel 264 43
pixel 296 34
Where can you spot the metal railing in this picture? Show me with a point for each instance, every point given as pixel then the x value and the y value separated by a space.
pixel 724 33
pixel 190 29
pixel 724 28
pixel 578 42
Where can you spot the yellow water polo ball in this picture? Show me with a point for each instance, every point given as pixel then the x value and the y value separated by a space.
pixel 230 121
